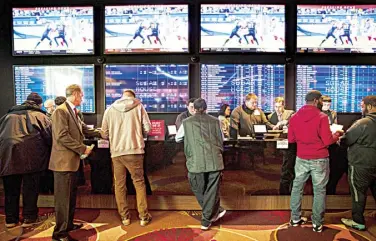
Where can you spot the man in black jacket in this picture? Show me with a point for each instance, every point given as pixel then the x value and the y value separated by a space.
pixel 361 140
pixel 184 115
pixel 25 145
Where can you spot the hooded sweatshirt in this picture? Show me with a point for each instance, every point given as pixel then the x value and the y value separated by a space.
pixel 124 124
pixel 309 128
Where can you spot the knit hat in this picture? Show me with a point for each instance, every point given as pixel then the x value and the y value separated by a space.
pixel 35 97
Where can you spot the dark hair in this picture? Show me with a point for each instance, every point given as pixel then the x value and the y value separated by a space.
pixel 191 100
pixel 200 105
pixel 326 98
pixel 60 100
pixel 222 110
pixel 370 100
pixel 33 96
pixel 313 95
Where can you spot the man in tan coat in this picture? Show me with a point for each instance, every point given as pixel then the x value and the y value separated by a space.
pixel 67 146
pixel 124 124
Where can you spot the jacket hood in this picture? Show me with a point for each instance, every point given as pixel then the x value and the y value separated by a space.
pixel 125 104
pixel 27 105
pixel 308 113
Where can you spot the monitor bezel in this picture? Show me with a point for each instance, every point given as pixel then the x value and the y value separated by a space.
pixel 58 65
pixel 284 82
pixel 299 52
pixel 242 51
pixel 145 52
pixel 52 54
pixel 296 79
pixel 151 112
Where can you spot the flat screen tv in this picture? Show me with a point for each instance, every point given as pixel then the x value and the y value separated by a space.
pixel 161 88
pixel 230 83
pixel 146 29
pixel 242 28
pixel 53 31
pixel 346 85
pixel 51 81
pixel 336 29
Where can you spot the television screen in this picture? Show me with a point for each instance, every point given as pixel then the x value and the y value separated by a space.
pixel 242 28
pixel 51 81
pixel 161 88
pixel 146 28
pixel 53 31
pixel 346 85
pixel 336 28
pixel 230 83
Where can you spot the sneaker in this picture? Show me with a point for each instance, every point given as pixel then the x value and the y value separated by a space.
pixel 204 228
pixel 30 222
pixel 301 221
pixel 10 225
pixel 350 223
pixel 145 221
pixel 126 221
pixel 219 216
pixel 317 228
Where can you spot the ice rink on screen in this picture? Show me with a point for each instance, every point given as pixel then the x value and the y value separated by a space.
pixel 266 43
pixel 362 45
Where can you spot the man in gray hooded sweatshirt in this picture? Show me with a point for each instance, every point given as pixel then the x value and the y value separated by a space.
pixel 124 124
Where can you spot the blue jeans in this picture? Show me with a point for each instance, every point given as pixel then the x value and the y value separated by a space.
pixel 318 169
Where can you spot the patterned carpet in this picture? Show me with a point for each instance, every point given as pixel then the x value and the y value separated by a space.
pixel 185 225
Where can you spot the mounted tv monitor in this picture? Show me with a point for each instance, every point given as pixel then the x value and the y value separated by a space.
pixel 53 31
pixel 346 85
pixel 161 88
pixel 336 29
pixel 51 81
pixel 230 83
pixel 242 28
pixel 146 29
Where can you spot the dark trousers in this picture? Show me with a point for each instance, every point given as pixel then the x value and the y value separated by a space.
pixel 360 179
pixel 338 165
pixel 205 186
pixel 30 190
pixel 287 170
pixel 65 184
pixel 46 182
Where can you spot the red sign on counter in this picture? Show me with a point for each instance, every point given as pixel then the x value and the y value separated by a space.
pixel 157 131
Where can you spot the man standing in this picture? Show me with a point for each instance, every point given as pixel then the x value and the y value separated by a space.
pixel 189 112
pixel 309 128
pixel 280 117
pixel 67 146
pixel 25 145
pixel 361 142
pixel 203 147
pixel 124 124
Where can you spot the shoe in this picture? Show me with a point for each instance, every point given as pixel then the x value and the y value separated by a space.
pixel 76 227
pixel 350 223
pixel 31 222
pixel 219 216
pixel 126 221
pixel 204 228
pixel 302 220
pixel 10 225
pixel 317 228
pixel 145 221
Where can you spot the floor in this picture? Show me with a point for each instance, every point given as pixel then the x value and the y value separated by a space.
pixel 185 225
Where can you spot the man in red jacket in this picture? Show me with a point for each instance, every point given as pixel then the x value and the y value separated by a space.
pixel 309 129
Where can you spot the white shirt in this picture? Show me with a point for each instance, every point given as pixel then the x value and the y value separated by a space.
pixel 72 106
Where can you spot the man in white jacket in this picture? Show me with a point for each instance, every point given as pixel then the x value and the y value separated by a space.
pixel 124 124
